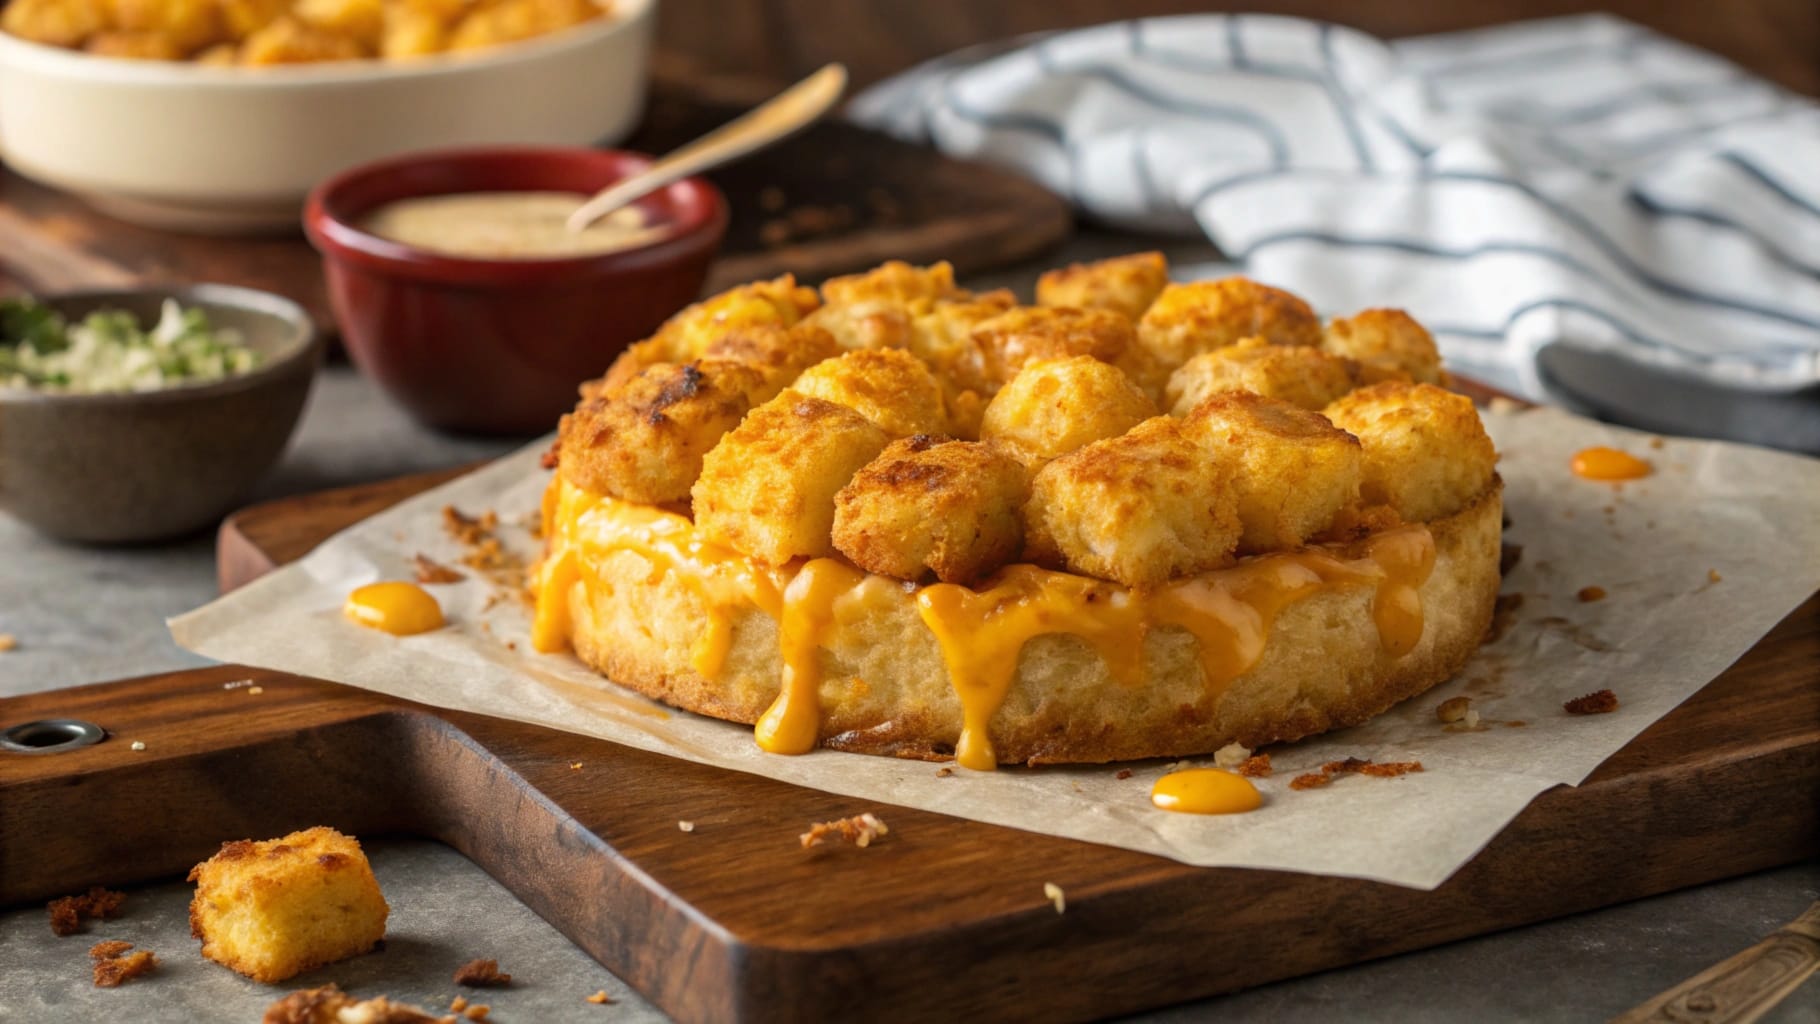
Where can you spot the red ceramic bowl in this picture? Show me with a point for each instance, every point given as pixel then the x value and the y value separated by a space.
pixel 499 346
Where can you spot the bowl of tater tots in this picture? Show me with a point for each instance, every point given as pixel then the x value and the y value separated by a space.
pixel 219 115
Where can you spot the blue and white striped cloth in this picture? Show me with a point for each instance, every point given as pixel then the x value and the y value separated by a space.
pixel 1580 182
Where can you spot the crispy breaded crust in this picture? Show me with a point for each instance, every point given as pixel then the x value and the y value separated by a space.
pixel 1027 334
pixel 1298 374
pixel 888 386
pixel 1056 406
pixel 897 283
pixel 644 441
pixel 1123 284
pixel 933 505
pixel 1137 509
pixel 1426 451
pixel 1323 667
pixel 767 490
pixel 779 302
pixel 1188 319
pixel 1387 343
pixel 1292 470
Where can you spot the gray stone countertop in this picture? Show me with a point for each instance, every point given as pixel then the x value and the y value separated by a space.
pixel 82 615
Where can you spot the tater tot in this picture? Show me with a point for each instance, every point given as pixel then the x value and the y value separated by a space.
pixel 779 354
pixel 933 505
pixel 888 386
pixel 186 25
pixel 685 336
pixel 242 18
pixel 767 489
pixel 360 20
pixel 1188 319
pixel 1387 342
pixel 1123 284
pixel 1056 406
pixel 134 46
pixel 1426 452
pixel 896 283
pixel 869 324
pixel 509 21
pixel 411 33
pixel 289 41
pixel 1028 333
pixel 1137 509
pixel 644 440
pixel 1293 471
pixel 1297 374
pixel 56 22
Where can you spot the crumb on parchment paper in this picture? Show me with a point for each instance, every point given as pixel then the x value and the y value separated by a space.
pixel 1599 702
pixel 601 998
pixel 1257 766
pixel 68 912
pixel 114 966
pixel 1353 766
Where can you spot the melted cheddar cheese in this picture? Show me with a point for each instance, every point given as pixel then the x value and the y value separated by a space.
pixel 981 631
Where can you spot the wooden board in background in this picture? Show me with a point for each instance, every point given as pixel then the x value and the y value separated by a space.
pixel 834 199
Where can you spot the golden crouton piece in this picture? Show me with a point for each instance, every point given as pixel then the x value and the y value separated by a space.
pixel 779 354
pixel 508 21
pixel 1053 407
pixel 1293 471
pixel 408 32
pixel 896 283
pixel 185 25
pixel 290 41
pixel 929 504
pixel 1426 452
pixel 220 55
pixel 688 334
pixel 767 489
pixel 134 46
pixel 888 386
pixel 1029 333
pixel 1137 509
pixel 360 20
pixel 277 908
pixel 1297 374
pixel 1123 284
pixel 242 18
pixel 1188 319
pixel 1387 342
pixel 644 441
pixel 868 324
pixel 56 22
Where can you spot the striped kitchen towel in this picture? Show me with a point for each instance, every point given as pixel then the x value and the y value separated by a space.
pixel 1579 183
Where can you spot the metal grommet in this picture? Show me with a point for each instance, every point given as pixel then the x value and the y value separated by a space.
pixel 50 736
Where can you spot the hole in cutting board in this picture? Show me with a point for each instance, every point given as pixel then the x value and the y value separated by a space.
pixel 50 736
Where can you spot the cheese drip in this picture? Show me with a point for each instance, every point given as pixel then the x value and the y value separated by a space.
pixel 981 632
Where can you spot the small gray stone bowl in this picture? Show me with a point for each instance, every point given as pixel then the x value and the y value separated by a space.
pixel 150 465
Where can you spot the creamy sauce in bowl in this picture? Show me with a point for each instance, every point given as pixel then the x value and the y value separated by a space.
pixel 507 226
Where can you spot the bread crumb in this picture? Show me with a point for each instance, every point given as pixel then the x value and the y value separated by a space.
pixel 1230 756
pixel 942 773
pixel 1471 721
pixel 1354 766
pixel 685 826
pixel 478 1011
pixel 1588 595
pixel 429 570
pixel 481 974
pixel 1599 702
pixel 1053 893
pixel 1656 443
pixel 1257 766
pixel 1453 709
pixel 600 998
pixel 458 1004
pixel 114 966
pixel 1712 576
pixel 255 691
pixel 137 745
pixel 1124 773
pixel 8 642
pixel 68 912
pixel 575 766
pixel 858 830
pixel 330 1005
pixel 237 684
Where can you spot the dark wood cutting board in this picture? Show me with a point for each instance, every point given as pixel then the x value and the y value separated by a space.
pixel 943 919
pixel 834 199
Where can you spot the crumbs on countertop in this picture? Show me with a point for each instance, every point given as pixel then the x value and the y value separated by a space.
pixel 114 966
pixel 601 998
pixel 481 974
pixel 1712 576
pixel 1599 702
pixel 68 912
pixel 859 830
pixel 329 1003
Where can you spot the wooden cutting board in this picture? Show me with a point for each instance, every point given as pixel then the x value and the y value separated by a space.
pixel 943 919
pixel 834 199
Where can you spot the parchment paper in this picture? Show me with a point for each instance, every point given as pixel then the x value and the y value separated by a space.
pixel 1698 560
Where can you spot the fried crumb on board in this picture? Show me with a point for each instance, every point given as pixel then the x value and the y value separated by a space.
pixel 1257 766
pixel 114 966
pixel 1053 893
pixel 68 912
pixel 1353 766
pixel 429 570
pixel 481 974
pixel 330 1005
pixel 1599 702
pixel 859 830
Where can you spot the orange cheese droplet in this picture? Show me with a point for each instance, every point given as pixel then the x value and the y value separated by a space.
pixel 1205 791
pixel 400 609
pixel 1609 464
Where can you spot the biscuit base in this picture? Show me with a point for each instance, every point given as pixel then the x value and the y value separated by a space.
pixel 886 689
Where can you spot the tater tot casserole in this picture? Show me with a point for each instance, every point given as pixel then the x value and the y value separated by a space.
pixel 1136 519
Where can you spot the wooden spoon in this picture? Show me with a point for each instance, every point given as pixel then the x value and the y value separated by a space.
pixel 787 112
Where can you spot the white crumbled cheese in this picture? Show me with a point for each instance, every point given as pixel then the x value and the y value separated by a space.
pixel 1053 893
pixel 1230 756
